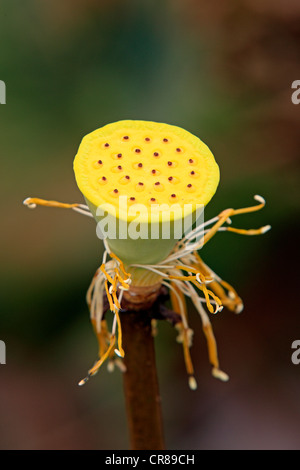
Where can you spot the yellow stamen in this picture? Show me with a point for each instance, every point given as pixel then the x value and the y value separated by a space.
pixel 258 231
pixel 202 287
pixel 35 201
pixel 102 336
pixel 223 216
pixel 111 304
pixel 175 302
pixel 99 363
pixel 233 302
pixel 120 349
pixel 112 255
pixel 108 277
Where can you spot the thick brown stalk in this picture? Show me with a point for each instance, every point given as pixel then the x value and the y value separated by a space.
pixel 143 402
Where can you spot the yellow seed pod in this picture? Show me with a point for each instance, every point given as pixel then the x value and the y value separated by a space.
pixel 158 171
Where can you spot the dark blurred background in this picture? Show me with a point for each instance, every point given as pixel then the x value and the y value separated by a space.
pixel 223 71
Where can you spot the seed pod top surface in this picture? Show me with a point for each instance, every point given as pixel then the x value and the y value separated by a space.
pixel 149 162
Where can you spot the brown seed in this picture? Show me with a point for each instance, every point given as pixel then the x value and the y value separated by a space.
pixel 100 162
pixel 147 139
pixel 165 140
pixel 170 163
pixel 116 190
pixel 189 185
pixel 170 178
pixel 141 184
pixel 178 150
pixel 140 165
pixel 119 155
pixel 127 177
pixel 119 167
pixel 103 178
pixel 132 199
pixel 192 173
pixel 157 183
pixel 173 195
pixel 156 154
pixel 106 145
pixel 153 199
pixel 137 150
pixel 125 137
pixel 153 172
pixel 191 160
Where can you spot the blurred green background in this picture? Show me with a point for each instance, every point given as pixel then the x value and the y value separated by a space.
pixel 223 71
